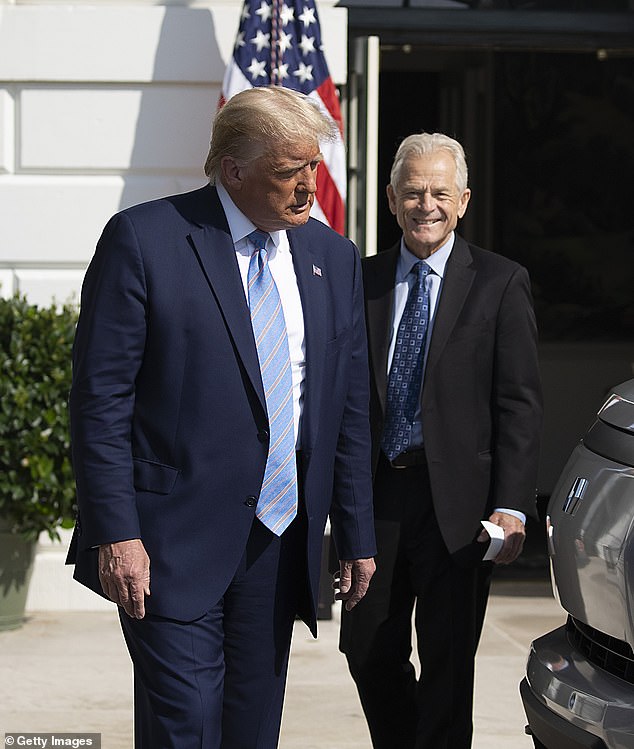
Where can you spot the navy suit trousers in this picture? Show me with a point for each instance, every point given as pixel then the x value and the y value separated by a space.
pixel 218 682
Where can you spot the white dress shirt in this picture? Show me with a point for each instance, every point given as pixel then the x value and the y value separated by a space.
pixel 281 265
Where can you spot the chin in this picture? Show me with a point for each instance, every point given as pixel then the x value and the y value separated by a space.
pixel 428 240
pixel 423 240
pixel 297 219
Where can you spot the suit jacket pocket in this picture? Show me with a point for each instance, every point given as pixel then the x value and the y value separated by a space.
pixel 154 477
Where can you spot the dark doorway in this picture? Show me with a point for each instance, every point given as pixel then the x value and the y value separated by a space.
pixel 397 120
pixel 564 160
pixel 449 92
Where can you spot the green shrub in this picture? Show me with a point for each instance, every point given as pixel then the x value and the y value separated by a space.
pixel 37 491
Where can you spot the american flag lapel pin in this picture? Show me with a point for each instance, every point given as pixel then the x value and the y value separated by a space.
pixel 316 271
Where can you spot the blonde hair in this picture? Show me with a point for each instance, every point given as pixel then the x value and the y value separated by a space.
pixel 256 117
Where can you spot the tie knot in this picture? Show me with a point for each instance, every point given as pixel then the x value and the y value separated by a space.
pixel 422 270
pixel 258 238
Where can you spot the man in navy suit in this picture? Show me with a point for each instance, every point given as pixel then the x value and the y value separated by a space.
pixel 465 451
pixel 175 434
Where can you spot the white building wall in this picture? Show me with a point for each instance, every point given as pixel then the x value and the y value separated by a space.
pixel 103 105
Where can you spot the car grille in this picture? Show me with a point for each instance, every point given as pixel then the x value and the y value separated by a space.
pixel 604 651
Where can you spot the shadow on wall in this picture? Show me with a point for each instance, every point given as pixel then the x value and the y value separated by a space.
pixel 175 108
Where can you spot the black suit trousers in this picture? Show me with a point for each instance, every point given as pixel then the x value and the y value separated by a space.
pixel 415 572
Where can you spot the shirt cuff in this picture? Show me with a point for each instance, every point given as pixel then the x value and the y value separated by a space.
pixel 516 513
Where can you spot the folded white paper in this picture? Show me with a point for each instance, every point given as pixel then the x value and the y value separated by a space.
pixel 497 539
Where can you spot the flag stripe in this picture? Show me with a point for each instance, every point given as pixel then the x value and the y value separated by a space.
pixel 328 94
pixel 329 199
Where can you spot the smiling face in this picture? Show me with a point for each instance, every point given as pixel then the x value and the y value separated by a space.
pixel 276 190
pixel 426 201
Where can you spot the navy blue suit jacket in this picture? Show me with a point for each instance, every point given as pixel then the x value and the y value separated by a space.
pixel 168 418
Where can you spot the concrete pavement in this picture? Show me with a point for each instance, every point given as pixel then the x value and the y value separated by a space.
pixel 70 672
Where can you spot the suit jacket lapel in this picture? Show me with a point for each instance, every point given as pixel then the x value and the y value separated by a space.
pixel 459 276
pixel 309 269
pixel 378 278
pixel 214 248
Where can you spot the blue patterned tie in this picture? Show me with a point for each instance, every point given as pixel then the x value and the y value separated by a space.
pixel 277 505
pixel 406 372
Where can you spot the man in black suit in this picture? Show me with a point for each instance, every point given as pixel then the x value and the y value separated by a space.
pixel 455 416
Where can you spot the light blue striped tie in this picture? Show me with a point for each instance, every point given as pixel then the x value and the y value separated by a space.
pixel 277 505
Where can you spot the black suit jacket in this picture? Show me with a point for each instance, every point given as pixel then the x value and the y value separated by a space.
pixel 481 395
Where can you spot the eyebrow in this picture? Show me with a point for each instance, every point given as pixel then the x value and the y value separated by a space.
pixel 296 166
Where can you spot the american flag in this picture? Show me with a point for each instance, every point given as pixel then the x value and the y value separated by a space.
pixel 280 44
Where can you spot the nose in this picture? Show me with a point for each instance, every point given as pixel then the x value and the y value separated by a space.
pixel 308 179
pixel 427 201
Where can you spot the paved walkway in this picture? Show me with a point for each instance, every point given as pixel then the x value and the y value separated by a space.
pixel 69 672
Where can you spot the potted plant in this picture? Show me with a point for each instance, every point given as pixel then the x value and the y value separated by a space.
pixel 36 483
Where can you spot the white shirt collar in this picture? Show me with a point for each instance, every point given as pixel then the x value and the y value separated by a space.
pixel 239 225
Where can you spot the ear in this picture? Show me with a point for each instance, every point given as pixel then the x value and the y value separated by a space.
pixel 231 173
pixel 463 202
pixel 391 198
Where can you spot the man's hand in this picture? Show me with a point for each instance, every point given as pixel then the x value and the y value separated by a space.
pixel 124 574
pixel 351 583
pixel 514 535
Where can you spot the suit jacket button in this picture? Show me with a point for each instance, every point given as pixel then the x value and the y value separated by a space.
pixel 251 501
pixel 263 435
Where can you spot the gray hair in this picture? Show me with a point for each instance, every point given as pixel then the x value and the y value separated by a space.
pixel 256 117
pixel 424 143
